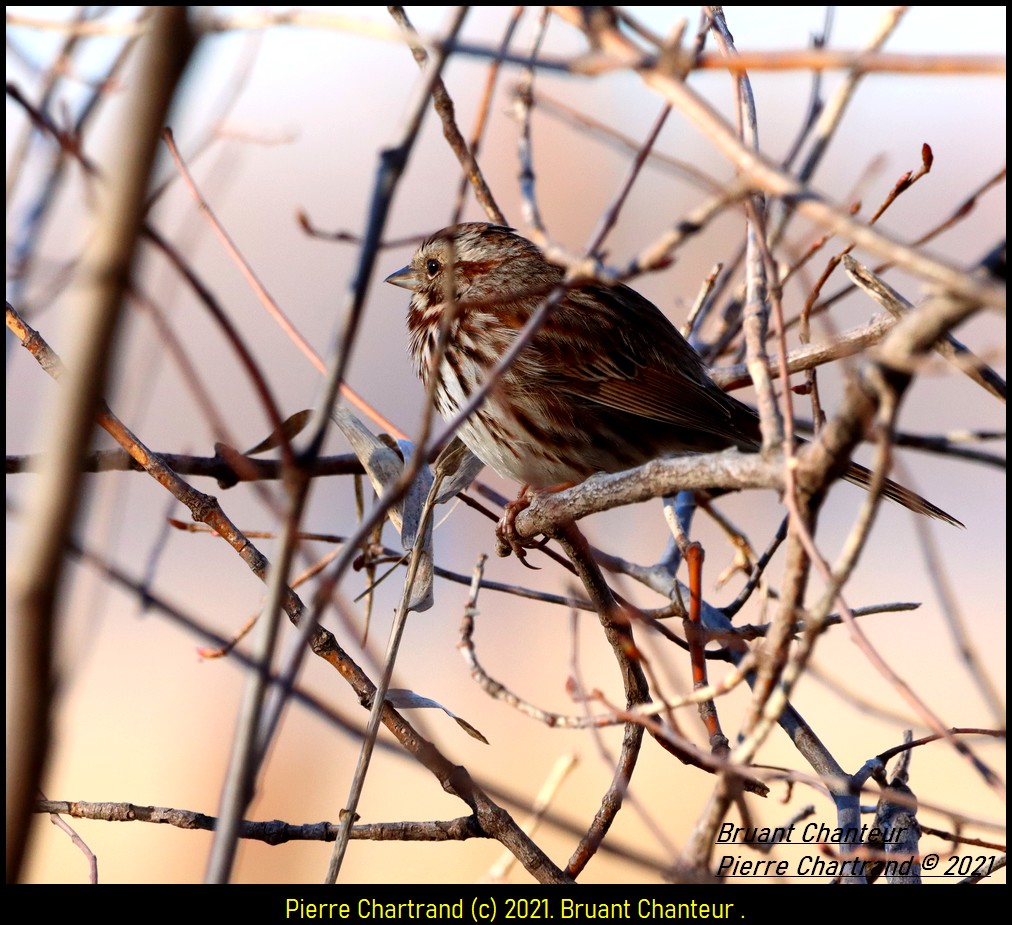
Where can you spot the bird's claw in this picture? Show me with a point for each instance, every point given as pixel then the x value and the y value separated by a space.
pixel 507 540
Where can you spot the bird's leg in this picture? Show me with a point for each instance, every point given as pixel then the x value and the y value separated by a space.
pixel 507 540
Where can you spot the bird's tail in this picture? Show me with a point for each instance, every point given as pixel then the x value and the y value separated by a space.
pixel 856 474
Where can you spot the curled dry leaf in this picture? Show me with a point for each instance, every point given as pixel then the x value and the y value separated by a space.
pixel 383 467
pixel 405 699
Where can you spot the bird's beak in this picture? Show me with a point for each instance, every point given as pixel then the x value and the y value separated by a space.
pixel 404 277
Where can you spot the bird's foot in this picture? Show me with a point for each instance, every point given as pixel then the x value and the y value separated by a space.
pixel 507 539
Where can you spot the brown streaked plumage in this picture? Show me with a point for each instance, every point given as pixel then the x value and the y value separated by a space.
pixel 607 383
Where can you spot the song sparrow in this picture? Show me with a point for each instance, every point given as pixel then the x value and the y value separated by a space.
pixel 606 384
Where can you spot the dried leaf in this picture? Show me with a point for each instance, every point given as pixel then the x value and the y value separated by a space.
pixel 381 463
pixel 384 465
pixel 459 468
pixel 404 699
pixel 412 506
pixel 290 428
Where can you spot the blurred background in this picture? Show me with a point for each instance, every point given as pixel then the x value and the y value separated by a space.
pixel 285 120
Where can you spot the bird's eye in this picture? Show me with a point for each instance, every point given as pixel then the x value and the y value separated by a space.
pixel 432 267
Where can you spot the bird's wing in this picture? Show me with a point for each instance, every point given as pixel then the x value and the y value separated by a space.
pixel 647 368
